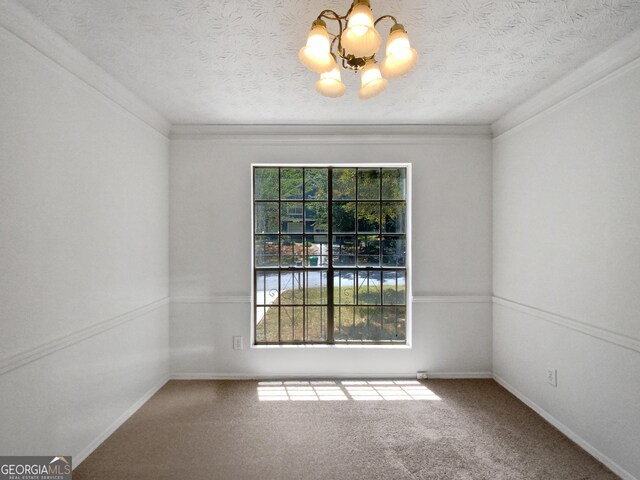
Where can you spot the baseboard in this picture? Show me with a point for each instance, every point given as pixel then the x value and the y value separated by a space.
pixel 593 451
pixel 253 376
pixel 80 457
pixel 458 375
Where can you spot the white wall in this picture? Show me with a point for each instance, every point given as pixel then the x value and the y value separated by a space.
pixel 83 254
pixel 211 250
pixel 567 265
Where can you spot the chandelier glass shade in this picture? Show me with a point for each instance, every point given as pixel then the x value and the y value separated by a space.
pixel 401 58
pixel 361 37
pixel 356 44
pixel 330 83
pixel 371 81
pixel 316 54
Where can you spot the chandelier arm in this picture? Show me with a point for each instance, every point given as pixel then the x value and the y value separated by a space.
pixel 391 17
pixel 330 15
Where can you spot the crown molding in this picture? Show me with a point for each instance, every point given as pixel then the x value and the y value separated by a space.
pixel 621 57
pixel 452 299
pixel 17 20
pixel 212 300
pixel 330 134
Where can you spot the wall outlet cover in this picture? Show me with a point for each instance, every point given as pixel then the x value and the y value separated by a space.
pixel 237 343
pixel 421 375
pixel 552 377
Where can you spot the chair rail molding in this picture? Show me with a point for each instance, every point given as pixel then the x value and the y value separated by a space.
pixel 17 360
pixel 577 325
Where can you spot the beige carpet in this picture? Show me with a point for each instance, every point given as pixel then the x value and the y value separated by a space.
pixel 436 429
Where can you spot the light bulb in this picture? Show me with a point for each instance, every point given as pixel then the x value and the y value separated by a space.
pixel 316 55
pixel 360 38
pixel 401 58
pixel 330 84
pixel 371 81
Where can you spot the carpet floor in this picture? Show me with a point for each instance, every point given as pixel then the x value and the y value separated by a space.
pixel 330 430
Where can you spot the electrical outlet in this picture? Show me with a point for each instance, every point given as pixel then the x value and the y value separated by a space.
pixel 421 375
pixel 237 343
pixel 552 377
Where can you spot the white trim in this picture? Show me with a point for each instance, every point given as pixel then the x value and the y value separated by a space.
pixel 219 300
pixel 315 376
pixel 333 346
pixel 88 450
pixel 272 376
pixel 582 327
pixel 25 357
pixel 590 449
pixel 612 62
pixel 330 134
pixel 20 22
pixel 214 300
pixel 452 299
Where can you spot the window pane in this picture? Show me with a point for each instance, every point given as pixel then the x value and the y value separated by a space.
pixel 291 251
pixel 291 324
pixel 368 184
pixel 291 288
pixel 344 323
pixel 316 324
pixel 291 214
pixel 371 323
pixel 316 183
pixel 316 250
pixel 261 334
pixel 266 288
pixel 344 183
pixel 270 326
pixel 266 184
pixel 394 217
pixel 344 217
pixel 344 283
pixel 344 250
pixel 395 324
pixel 366 325
pixel 394 183
pixel 394 250
pixel 266 217
pixel 368 217
pixel 291 183
pixel 266 251
pixel 368 250
pixel 369 288
pixel 394 288
pixel 316 288
pixel 316 218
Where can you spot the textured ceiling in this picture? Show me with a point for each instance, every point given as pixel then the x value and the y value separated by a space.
pixel 226 61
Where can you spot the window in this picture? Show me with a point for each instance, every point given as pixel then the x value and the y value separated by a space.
pixel 330 254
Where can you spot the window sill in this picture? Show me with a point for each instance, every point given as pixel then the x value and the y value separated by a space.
pixel 333 347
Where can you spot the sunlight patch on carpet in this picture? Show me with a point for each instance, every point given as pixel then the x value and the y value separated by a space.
pixel 330 390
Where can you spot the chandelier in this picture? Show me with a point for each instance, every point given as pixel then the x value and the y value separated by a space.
pixel 358 41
